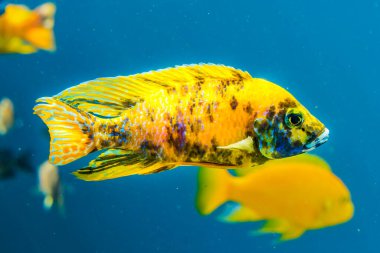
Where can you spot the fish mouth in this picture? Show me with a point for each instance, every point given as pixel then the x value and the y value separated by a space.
pixel 321 138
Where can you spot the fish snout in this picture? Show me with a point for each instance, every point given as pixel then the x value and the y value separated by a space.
pixel 318 141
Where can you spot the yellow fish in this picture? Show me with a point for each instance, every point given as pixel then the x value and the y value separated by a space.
pixel 6 115
pixel 49 185
pixel 25 31
pixel 293 195
pixel 207 115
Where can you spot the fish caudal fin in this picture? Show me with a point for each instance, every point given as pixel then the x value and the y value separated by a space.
pixel 42 36
pixel 213 189
pixel 115 163
pixel 70 130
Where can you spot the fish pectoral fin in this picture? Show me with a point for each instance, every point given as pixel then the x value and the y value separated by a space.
pixel 244 145
pixel 239 213
pixel 115 163
pixel 110 96
pixel 287 230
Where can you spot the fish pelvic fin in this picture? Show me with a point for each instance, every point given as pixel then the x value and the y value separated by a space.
pixel 213 189
pixel 71 133
pixel 115 163
pixel 42 35
pixel 239 213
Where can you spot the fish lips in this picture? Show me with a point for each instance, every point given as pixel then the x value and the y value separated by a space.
pixel 321 138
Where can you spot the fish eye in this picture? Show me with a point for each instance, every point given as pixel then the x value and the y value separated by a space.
pixel 294 119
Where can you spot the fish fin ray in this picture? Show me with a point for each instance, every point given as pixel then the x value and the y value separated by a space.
pixel 115 163
pixel 109 97
pixel 70 130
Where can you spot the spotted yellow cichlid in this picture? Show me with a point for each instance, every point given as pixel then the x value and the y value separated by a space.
pixel 207 115
pixel 24 31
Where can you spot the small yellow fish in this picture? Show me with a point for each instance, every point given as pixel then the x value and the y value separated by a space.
pixel 49 185
pixel 293 195
pixel 6 115
pixel 207 115
pixel 25 31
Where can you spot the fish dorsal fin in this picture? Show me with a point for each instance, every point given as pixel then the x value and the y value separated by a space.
pixel 244 145
pixel 109 97
pixel 115 163
pixel 239 213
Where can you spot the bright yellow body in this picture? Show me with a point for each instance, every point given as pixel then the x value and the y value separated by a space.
pixel 207 115
pixel 294 194
pixel 25 31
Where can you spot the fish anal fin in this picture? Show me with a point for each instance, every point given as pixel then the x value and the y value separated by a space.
pixel 239 213
pixel 287 230
pixel 116 163
pixel 121 92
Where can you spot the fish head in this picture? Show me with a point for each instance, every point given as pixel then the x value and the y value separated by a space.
pixel 335 211
pixel 286 128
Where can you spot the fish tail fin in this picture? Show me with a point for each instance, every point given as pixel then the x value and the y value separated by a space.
pixel 213 189
pixel 48 202
pixel 70 130
pixel 42 36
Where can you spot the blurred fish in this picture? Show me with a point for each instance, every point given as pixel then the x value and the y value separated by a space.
pixel 25 31
pixel 10 163
pixel 6 115
pixel 207 115
pixel 293 195
pixel 49 185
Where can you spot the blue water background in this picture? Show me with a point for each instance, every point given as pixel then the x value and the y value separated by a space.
pixel 327 53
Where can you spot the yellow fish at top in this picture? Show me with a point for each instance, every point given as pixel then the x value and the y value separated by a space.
pixel 207 115
pixel 293 195
pixel 24 31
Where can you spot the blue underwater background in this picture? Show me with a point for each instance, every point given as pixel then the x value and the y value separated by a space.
pixel 327 53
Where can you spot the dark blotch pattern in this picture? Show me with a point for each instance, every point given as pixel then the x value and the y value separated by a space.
pixel 233 103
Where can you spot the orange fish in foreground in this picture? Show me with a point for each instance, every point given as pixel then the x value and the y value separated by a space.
pixel 293 195
pixel 25 31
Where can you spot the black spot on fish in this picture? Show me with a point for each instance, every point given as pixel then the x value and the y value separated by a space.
pixel 271 112
pixel 233 103
pixel 239 160
pixel 248 108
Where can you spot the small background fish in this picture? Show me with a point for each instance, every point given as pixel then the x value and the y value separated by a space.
pixel 26 31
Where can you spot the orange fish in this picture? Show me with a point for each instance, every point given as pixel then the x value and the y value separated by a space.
pixel 24 31
pixel 293 195
pixel 207 115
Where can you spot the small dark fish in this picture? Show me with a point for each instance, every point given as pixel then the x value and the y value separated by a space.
pixel 10 163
